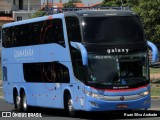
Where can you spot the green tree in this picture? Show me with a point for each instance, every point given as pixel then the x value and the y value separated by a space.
pixel 113 2
pixel 38 13
pixel 149 11
pixel 70 3
pixel 131 3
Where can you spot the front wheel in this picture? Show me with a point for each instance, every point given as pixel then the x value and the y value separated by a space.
pixel 70 108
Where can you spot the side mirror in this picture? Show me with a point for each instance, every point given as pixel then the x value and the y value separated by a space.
pixel 154 51
pixel 83 51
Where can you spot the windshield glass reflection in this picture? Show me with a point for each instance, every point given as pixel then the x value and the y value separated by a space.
pixel 117 69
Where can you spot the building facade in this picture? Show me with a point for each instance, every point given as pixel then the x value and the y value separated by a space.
pixel 19 9
pixel 22 9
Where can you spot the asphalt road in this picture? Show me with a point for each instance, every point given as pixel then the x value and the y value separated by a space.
pixel 52 114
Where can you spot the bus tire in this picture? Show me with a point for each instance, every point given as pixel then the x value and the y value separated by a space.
pixel 70 108
pixel 25 107
pixel 14 98
pixel 18 103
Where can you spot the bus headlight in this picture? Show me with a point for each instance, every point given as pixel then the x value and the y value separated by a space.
pixel 94 95
pixel 145 93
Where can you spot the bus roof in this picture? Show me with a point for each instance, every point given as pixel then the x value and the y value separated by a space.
pixel 80 13
pixel 96 13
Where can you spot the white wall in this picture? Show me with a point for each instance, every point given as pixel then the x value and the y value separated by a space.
pixel 24 14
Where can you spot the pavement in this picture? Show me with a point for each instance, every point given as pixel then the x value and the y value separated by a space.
pixel 54 114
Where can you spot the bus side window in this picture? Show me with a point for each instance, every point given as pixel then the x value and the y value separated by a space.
pixel 53 32
pixel 26 35
pixel 73 29
pixel 63 74
pixel 6 37
pixel 35 33
pixel 58 31
pixel 74 35
pixel 48 72
pixel 16 36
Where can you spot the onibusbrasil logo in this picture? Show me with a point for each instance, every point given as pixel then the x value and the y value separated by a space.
pixel 14 114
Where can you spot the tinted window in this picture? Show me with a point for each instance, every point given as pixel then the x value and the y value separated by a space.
pixel 0 33
pixel 78 68
pixel 112 30
pixel 43 32
pixel 73 29
pixel 35 33
pixel 6 37
pixel 74 35
pixel 46 72
pixel 16 36
pixel 53 32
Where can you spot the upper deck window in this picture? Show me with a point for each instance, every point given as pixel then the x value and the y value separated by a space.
pixel 35 33
pixel 112 30
pixel 73 29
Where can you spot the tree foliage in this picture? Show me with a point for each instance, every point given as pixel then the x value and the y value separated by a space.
pixel 112 3
pixel 38 13
pixel 149 12
pixel 70 3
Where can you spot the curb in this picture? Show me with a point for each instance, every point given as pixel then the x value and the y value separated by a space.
pixel 155 97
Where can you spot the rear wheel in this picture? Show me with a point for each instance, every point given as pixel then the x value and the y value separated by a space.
pixel 18 103
pixel 24 102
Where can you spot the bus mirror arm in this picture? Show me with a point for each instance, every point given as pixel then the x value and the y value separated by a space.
pixel 83 51
pixel 154 51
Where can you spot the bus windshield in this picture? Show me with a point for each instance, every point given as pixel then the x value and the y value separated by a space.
pixel 117 70
pixel 112 30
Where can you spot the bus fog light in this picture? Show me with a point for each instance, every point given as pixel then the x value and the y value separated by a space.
pixel 93 104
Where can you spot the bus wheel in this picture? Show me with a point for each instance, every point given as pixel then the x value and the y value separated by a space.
pixel 70 108
pixel 24 102
pixel 18 103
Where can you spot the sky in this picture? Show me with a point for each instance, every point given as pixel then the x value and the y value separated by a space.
pixel 86 2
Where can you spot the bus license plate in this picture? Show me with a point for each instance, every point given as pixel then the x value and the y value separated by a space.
pixel 120 106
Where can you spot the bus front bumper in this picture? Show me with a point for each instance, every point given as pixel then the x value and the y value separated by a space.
pixel 94 104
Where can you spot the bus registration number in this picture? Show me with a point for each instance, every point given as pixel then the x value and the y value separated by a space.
pixel 120 106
